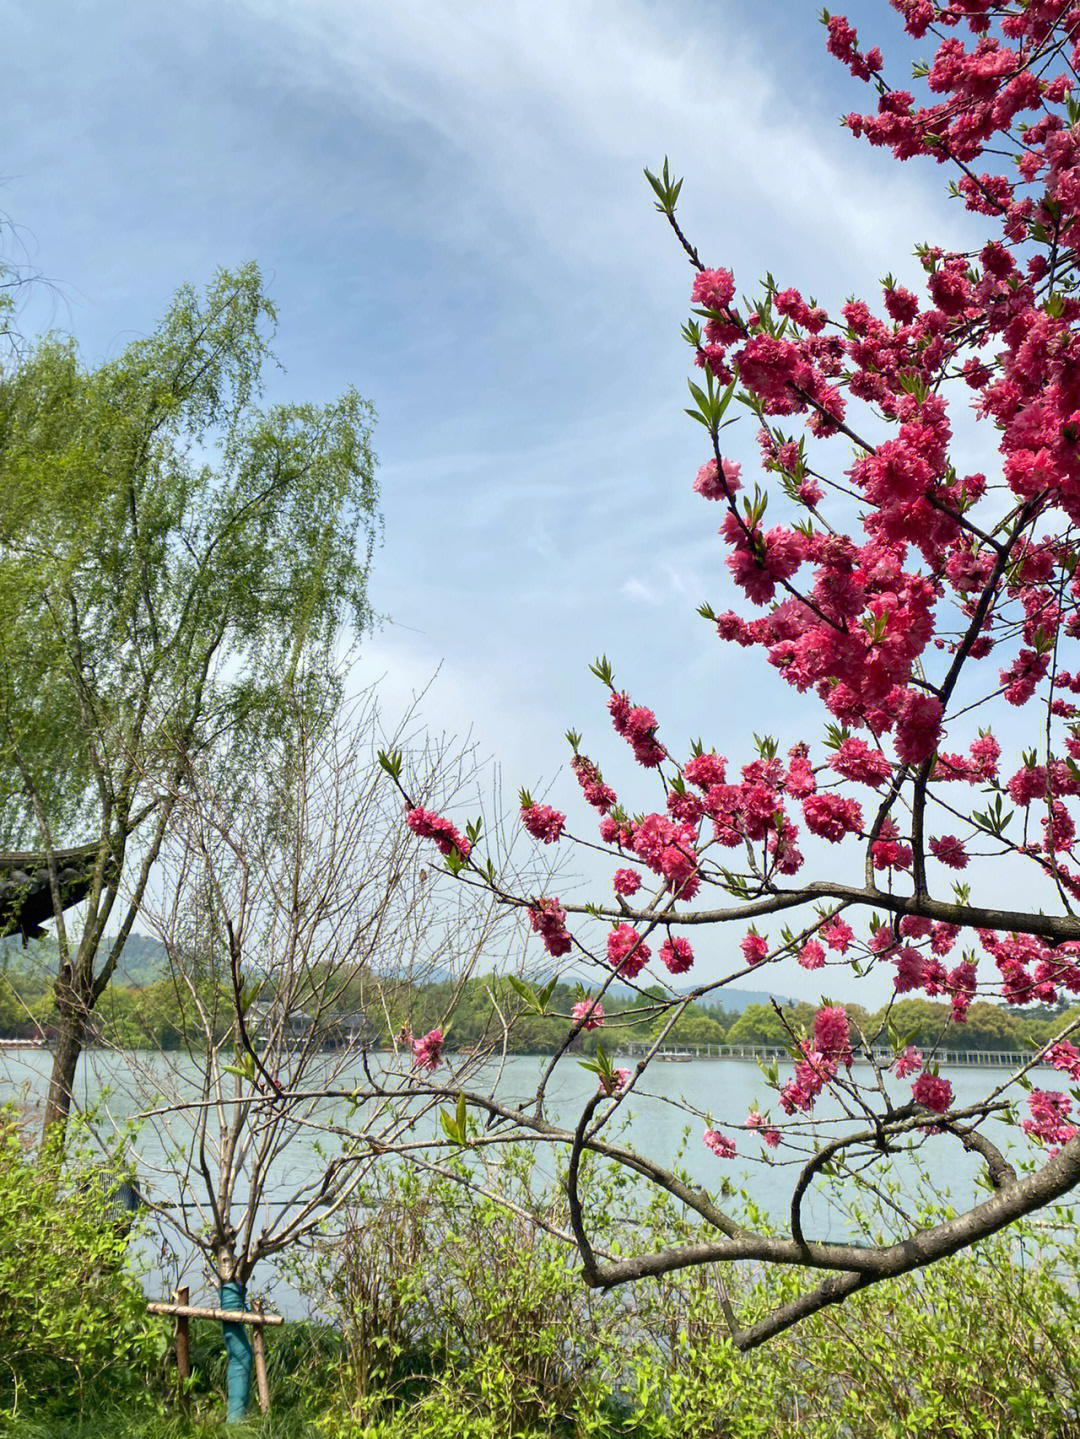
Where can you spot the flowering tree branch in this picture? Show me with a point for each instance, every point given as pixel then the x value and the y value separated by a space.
pixel 953 593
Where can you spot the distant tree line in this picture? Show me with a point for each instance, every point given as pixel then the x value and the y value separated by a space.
pixel 155 1014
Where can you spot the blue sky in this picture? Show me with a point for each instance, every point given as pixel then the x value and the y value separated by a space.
pixel 448 204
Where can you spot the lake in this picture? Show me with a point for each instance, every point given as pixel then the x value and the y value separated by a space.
pixel 651 1123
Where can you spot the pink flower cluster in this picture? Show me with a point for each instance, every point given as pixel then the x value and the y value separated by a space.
pixel 832 1034
pixel 543 822
pixel 910 1062
pixel 932 1092
pixel 812 1073
pixel 668 849
pixel 636 725
pixel 720 1144
pixel 427 1051
pixel 593 788
pixel 1064 1056
pixel 627 953
pixel 676 955
pixel 589 1013
pixel 756 1120
pixel 548 919
pixel 1050 1113
pixel 428 825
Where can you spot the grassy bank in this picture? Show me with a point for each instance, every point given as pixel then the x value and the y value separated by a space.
pixel 459 1319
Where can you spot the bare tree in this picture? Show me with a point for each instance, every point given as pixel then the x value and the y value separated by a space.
pixel 298 918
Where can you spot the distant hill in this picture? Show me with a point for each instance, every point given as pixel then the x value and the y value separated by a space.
pixel 734 1001
pixel 142 962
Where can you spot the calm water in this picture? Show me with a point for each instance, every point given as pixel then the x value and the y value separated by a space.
pixel 125 1085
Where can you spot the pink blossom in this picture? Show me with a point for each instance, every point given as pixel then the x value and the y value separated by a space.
pixel 831 816
pixel 590 1012
pixel 754 947
pixel 714 487
pixel 543 822
pixel 756 1120
pixel 918 726
pixel 626 951
pixel 812 956
pixel 548 919
pixel 1049 1112
pixel 910 1062
pixel 932 1092
pixel 720 1144
pixel 837 934
pixel 676 955
pixel 950 851
pixel 985 752
pixel 428 825
pixel 832 1034
pixel 626 882
pixel 637 725
pixel 714 289
pixel 1064 1056
pixel 595 791
pixel 705 770
pixel 855 760
pixel 427 1051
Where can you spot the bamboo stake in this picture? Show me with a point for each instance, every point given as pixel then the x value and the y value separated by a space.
pixel 183 1352
pixel 259 1346
pixel 199 1311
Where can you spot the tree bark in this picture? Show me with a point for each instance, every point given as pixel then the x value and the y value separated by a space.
pixel 73 1004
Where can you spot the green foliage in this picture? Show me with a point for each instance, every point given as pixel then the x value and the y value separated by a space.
pixel 156 523
pixel 73 1321
pixel 463 1318
pixel 460 1318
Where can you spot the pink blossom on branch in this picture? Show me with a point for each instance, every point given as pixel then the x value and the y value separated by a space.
pixel 543 822
pixel 428 825
pixel 676 955
pixel 917 596
pixel 832 1034
pixel 720 1144
pixel 910 1062
pixel 588 1012
pixel 950 851
pixel 932 1092
pixel 756 1120
pixel 626 951
pixel 427 1051
pixel 755 947
pixel 548 919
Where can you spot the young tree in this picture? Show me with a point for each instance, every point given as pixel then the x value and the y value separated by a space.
pixel 918 605
pixel 298 919
pixel 171 557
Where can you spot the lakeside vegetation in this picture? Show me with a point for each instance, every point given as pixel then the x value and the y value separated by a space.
pixel 148 1012
pixel 449 1316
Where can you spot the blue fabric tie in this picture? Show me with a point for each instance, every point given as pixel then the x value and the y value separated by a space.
pixel 238 1348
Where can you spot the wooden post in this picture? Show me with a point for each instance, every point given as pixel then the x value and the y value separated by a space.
pixel 183 1353
pixel 259 1346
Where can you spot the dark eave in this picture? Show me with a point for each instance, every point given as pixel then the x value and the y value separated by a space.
pixel 26 902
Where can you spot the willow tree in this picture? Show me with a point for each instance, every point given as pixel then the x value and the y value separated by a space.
pixel 173 559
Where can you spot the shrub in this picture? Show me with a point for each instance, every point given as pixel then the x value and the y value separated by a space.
pixel 73 1320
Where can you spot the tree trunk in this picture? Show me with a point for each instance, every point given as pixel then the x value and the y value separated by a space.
pixel 74 1002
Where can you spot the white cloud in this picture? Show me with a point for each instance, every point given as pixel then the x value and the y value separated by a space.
pixel 536 122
